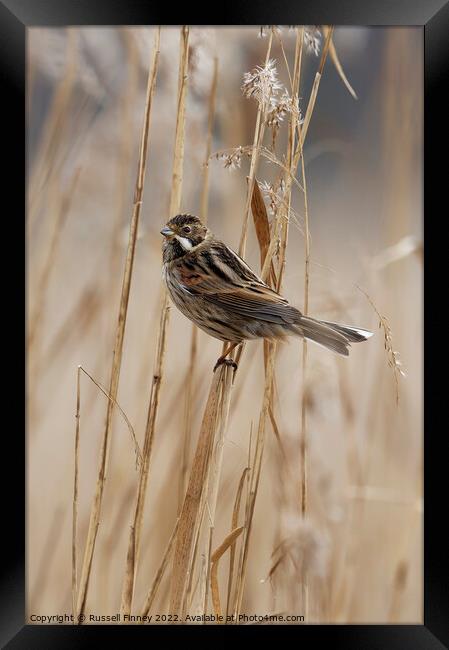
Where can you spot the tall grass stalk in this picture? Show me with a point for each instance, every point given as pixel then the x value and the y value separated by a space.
pixel 316 85
pixel 234 522
pixel 75 494
pixel 303 442
pixel 214 478
pixel 303 431
pixel 292 128
pixel 124 158
pixel 321 471
pixel 185 554
pixel 191 513
pixel 255 154
pixel 228 542
pixel 255 477
pixel 189 395
pixel 175 202
pixel 139 461
pixel 149 600
pixel 280 226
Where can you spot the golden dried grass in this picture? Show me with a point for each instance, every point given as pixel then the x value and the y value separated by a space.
pixel 216 488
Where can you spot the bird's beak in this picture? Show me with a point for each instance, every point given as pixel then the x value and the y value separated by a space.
pixel 167 232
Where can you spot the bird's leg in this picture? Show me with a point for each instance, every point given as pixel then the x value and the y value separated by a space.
pixel 222 359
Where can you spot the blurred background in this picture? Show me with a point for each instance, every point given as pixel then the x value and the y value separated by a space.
pixel 362 541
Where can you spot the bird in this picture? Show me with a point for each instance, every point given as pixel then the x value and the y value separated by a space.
pixel 218 291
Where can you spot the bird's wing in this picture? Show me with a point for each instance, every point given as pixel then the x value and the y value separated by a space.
pixel 247 303
pixel 221 277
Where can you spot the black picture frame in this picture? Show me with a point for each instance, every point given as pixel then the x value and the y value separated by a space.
pixel 433 15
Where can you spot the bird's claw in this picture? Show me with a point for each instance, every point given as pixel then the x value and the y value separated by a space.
pixel 226 362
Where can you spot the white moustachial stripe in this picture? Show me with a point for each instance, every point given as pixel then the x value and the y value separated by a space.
pixel 185 243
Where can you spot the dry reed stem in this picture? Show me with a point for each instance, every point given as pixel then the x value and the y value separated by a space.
pixel 159 573
pixel 270 365
pixel 303 442
pixel 210 491
pixel 277 227
pixel 234 522
pixel 206 570
pixel 293 158
pixel 258 138
pixel 264 274
pixel 262 227
pixel 303 432
pixel 255 154
pixel 300 154
pixel 293 126
pixel 341 72
pixel 136 527
pixel 253 594
pixel 269 348
pixel 175 202
pixel 124 159
pixel 277 433
pixel 183 556
pixel 187 432
pixel 214 473
pixel 117 354
pixel 76 470
pixel 75 494
pixel 336 61
pixel 255 476
pixel 210 127
pixel 189 595
pixel 194 334
pixel 216 555
pixel 178 161
pixel 287 67
pixel 110 542
pixel 316 85
pixel 139 457
pixel 189 518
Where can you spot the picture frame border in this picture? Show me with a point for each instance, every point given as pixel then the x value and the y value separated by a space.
pixel 16 17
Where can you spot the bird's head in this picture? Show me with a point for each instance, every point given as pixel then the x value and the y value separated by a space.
pixel 182 233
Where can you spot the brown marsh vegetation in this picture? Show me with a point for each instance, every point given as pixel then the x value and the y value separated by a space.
pixel 293 487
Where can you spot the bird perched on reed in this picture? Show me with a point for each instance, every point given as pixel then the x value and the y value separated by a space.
pixel 215 288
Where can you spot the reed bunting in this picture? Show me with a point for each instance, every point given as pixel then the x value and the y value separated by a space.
pixel 217 290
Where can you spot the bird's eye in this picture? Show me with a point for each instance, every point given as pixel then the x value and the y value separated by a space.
pixel 187 229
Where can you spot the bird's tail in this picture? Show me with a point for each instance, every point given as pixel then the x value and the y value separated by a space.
pixel 331 335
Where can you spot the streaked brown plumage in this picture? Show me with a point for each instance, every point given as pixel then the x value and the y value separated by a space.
pixel 217 290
